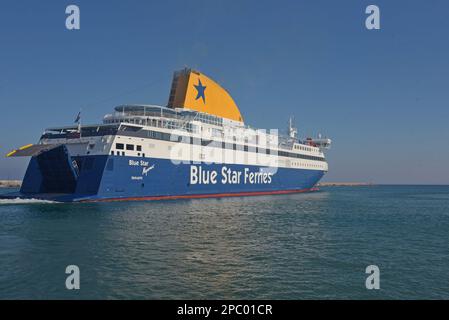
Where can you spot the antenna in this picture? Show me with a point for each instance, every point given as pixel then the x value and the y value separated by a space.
pixel 292 131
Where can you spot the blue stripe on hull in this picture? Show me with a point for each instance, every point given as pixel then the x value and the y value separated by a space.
pixel 120 179
pixel 132 177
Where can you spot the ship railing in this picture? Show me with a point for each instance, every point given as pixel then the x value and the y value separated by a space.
pixel 185 117
pixel 156 122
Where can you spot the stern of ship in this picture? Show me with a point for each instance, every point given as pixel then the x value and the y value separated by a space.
pixel 53 174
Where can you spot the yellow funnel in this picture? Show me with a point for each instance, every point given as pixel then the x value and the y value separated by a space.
pixel 193 90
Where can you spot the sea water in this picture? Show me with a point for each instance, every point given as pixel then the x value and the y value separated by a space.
pixel 304 246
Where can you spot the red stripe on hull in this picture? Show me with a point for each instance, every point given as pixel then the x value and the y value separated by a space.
pixel 202 196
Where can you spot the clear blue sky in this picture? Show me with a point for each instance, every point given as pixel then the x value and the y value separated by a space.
pixel 381 95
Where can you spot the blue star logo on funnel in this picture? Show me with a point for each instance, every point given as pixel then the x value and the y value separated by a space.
pixel 200 88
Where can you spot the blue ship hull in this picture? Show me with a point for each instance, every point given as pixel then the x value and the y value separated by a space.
pixel 60 177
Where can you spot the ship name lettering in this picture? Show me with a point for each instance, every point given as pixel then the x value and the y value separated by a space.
pixel 199 175
pixel 141 163
pixel 230 176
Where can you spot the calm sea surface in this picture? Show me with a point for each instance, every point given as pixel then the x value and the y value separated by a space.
pixel 303 246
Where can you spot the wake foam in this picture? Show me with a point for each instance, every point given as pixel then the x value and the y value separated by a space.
pixel 24 201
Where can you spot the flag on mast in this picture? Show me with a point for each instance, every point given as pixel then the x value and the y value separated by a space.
pixel 78 117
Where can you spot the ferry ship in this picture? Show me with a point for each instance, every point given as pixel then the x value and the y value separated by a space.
pixel 196 146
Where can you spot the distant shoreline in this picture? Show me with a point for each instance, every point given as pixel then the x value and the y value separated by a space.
pixel 10 183
pixel 344 184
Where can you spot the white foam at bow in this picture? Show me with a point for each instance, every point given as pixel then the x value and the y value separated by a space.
pixel 24 201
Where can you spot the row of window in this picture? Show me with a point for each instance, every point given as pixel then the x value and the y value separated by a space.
pixel 303 148
pixel 129 147
pixel 309 165
pixel 122 153
pixel 219 144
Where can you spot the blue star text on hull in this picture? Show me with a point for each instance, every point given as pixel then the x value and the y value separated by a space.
pixel 200 88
